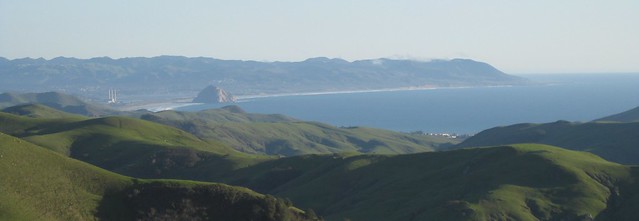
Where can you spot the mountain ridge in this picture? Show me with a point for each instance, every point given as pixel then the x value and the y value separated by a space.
pixel 281 135
pixel 628 116
pixel 178 76
pixel 511 182
pixel 613 141
pixel 56 100
pixel 38 184
pixel 505 182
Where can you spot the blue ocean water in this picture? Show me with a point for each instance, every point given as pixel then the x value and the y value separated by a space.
pixel 572 97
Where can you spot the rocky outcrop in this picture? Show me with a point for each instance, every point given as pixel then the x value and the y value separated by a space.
pixel 213 94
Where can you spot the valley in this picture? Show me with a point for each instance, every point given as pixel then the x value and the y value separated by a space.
pixel 319 110
pixel 350 173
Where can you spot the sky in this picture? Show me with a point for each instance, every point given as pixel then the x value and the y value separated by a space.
pixel 536 36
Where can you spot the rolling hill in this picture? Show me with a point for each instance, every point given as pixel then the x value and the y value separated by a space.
pixel 38 184
pixel 39 111
pixel 617 142
pixel 145 149
pixel 513 182
pixel 129 146
pixel 626 116
pixel 281 135
pixel 56 100
pixel 516 182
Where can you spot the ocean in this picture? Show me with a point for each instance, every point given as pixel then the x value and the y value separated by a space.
pixel 572 97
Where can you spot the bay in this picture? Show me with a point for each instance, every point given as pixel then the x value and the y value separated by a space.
pixel 572 97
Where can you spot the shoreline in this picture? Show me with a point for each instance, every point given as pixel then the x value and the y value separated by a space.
pixel 245 97
pixel 184 102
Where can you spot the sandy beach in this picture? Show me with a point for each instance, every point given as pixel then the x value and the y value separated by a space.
pixel 184 102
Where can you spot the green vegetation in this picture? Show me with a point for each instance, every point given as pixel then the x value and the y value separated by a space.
pixel 130 146
pixel 38 184
pixel 626 116
pixel 513 182
pixel 518 182
pixel 55 100
pixel 11 99
pixel 225 114
pixel 281 135
pixel 616 142
pixel 39 111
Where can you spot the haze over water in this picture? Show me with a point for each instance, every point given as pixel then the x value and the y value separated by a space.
pixel 572 97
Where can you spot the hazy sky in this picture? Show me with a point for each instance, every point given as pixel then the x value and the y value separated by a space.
pixel 515 36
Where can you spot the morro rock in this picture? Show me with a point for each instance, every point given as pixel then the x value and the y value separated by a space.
pixel 213 94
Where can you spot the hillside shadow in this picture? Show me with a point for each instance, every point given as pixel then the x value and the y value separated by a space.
pixel 623 200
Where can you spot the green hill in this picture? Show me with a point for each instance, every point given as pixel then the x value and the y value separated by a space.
pixel 225 114
pixel 129 146
pixel 515 182
pixel 281 135
pixel 616 142
pixel 38 184
pixel 626 116
pixel 518 182
pixel 55 100
pixel 39 111
pixel 47 97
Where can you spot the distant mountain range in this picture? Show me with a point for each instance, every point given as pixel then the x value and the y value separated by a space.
pixel 172 76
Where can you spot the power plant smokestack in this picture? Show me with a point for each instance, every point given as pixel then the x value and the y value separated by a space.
pixel 113 96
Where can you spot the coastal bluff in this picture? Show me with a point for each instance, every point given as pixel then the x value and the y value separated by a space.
pixel 213 94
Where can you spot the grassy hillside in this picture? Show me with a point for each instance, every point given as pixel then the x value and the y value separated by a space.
pixel 39 111
pixel 626 116
pixel 38 184
pixel 515 182
pixel 617 142
pixel 518 182
pixel 280 135
pixel 225 114
pixel 55 100
pixel 129 146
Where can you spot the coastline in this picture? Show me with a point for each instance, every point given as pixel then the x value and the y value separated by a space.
pixel 184 102
pixel 158 105
pixel 245 97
